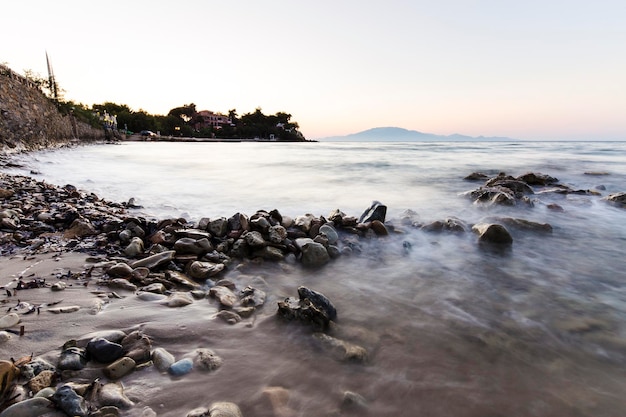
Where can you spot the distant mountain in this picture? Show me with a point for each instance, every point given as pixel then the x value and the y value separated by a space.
pixel 398 134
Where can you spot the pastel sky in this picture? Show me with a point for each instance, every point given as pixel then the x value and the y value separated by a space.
pixel 532 69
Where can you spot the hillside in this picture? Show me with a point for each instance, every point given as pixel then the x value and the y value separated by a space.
pixel 397 134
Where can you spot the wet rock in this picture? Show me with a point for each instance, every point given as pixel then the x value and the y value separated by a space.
pixel 199 412
pixel 303 310
pixel 119 270
pixel 32 407
pixel 377 211
pixel 304 222
pixel 134 248
pixel 330 233
pixel 112 394
pixel 319 300
pixel 618 199
pixel 218 227
pixel 523 224
pixel 340 349
pixel 224 409
pixel 80 228
pixel 120 368
pixel 181 279
pixel 72 358
pixel 379 228
pixel 314 254
pixel 137 346
pixel 63 310
pixel 532 178
pixel 155 288
pixel 122 284
pixel 519 188
pixel 162 359
pixel 251 296
pixel 493 196
pixel 353 401
pixel 181 367
pixel 4 336
pixel 278 401
pixel 191 246
pixel 58 286
pixel 277 234
pixel 154 261
pixel 451 224
pixel 476 176
pixel 260 223
pixel 70 402
pixel 179 299
pixel 103 351
pixel 229 317
pixel 199 270
pixel 43 380
pixel 207 360
pixel 494 234
pixel 9 320
pixel 254 239
pixel 224 295
pixel 269 253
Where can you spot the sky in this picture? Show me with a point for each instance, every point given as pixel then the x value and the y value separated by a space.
pixel 533 69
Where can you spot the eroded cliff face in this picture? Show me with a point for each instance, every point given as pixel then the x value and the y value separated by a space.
pixel 30 121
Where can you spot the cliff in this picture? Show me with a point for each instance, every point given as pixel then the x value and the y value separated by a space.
pixel 31 121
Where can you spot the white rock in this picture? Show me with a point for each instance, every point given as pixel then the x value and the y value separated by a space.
pixel 9 320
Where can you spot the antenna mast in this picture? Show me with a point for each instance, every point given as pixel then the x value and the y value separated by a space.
pixel 51 81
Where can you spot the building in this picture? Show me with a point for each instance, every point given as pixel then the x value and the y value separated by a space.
pixel 207 119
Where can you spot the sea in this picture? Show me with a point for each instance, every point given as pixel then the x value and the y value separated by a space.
pixel 451 329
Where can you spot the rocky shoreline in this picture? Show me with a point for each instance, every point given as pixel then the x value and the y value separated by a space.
pixel 176 262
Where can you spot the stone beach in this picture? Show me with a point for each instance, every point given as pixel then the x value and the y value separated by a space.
pixel 68 255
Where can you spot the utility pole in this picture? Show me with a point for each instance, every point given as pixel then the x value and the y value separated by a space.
pixel 51 81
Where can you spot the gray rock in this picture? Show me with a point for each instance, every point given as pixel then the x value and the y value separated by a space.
pixel 218 227
pixel 72 358
pixel 224 295
pixel 252 297
pixel 156 288
pixel 104 351
pixel 70 402
pixel 119 368
pixel 156 260
pixel 330 233
pixel 187 245
pixel 207 360
pixel 120 270
pixel 303 310
pixel 254 239
pixel 617 198
pixel 179 299
pixel 532 178
pixel 314 254
pixel 340 349
pixel 122 284
pixel 32 407
pixel 277 234
pixel 137 346
pixel 112 394
pixel 162 359
pixel 269 253
pixel 224 409
pixel 134 248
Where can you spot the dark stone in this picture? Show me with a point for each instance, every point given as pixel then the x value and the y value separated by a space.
pixel 319 300
pixel 73 359
pixel 70 402
pixel 377 211
pixel 103 351
pixel 532 178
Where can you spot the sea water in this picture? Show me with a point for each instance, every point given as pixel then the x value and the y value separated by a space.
pixel 451 330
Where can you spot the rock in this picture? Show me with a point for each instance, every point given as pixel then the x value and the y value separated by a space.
pixel 519 188
pixel 229 317
pixel 379 228
pixel 122 284
pixel 80 228
pixel 9 320
pixel 341 350
pixel 523 224
pixel 72 358
pixel 353 401
pixel 120 368
pixel 207 360
pixel 278 399
pixel 476 176
pixel 103 351
pixel 314 254
pixel 35 367
pixel 218 227
pixel 4 336
pixel 304 222
pixel 260 223
pixel 532 178
pixel 224 409
pixel 156 288
pixel 162 359
pixel 617 198
pixel 254 239
pixel 43 380
pixel 181 367
pixel 134 248
pixel 32 407
pixel 269 253
pixel 451 224
pixel 58 286
pixel 199 412
pixel 330 233
pixel 120 270
pixel 154 261
pixel 70 402
pixel 493 196
pixel 303 310
pixel 64 309
pixel 179 299
pixel 199 270
pixel 45 393
pixel 377 211
pixel 239 222
pixel 137 346
pixel 319 300
pixel 492 233
pixel 112 394
pixel 252 297
pixel 277 233
pixel 224 295
pixel 187 245
pixel 181 279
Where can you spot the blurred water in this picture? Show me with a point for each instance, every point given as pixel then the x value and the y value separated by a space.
pixel 451 329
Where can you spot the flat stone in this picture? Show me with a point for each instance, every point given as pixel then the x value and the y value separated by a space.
pixel 120 368
pixel 153 261
pixel 200 270
pixel 9 320
pixel 162 359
